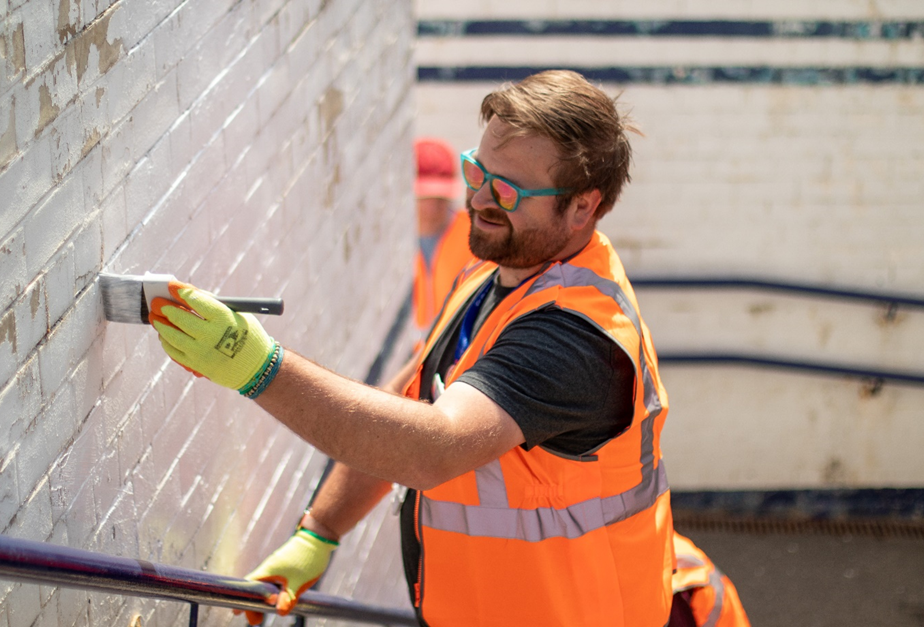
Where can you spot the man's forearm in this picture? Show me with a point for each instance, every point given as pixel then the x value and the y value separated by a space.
pixel 375 432
pixel 385 435
pixel 345 497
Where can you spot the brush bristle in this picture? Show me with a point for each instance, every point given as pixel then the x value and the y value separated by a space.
pixel 123 298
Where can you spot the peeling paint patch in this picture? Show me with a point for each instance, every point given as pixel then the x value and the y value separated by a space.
pixel 66 30
pixel 834 472
pixel 332 184
pixel 350 238
pixel 8 147
pixel 891 315
pixel 91 141
pixel 19 49
pixel 8 330
pixel 48 110
pixel 871 389
pixel 330 107
pixel 13 49
pixel 95 35
pixel 760 308
pixel 100 92
pixel 35 302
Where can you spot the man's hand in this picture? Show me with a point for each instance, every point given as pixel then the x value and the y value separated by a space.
pixel 208 339
pixel 295 567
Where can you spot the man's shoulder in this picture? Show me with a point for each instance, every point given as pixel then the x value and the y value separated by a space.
pixel 551 324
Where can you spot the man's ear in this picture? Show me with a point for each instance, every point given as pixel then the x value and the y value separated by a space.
pixel 584 208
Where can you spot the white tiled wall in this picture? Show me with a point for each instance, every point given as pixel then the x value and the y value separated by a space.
pixel 809 183
pixel 252 148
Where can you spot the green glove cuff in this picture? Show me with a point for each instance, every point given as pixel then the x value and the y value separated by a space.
pixel 334 543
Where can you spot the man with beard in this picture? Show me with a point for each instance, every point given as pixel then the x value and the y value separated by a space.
pixel 537 493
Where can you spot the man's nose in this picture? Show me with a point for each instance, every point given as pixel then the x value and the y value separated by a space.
pixel 482 199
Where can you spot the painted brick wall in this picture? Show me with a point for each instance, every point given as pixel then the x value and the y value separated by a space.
pixel 781 153
pixel 252 148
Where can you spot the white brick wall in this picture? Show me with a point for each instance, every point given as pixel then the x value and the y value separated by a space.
pixel 821 184
pixel 252 148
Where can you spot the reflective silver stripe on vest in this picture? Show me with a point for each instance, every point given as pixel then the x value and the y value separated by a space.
pixel 492 492
pixel 494 518
pixel 534 525
pixel 689 561
pixel 715 580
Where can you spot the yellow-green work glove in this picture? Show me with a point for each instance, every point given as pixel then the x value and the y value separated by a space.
pixel 294 567
pixel 208 339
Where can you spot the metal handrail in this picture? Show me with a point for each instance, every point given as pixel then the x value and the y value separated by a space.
pixel 795 287
pixel 877 375
pixel 38 562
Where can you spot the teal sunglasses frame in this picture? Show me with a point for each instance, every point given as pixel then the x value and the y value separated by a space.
pixel 488 177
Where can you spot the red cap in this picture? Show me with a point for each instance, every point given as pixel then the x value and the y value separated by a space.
pixel 436 169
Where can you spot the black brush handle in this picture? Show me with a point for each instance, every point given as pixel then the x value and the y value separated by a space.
pixel 271 306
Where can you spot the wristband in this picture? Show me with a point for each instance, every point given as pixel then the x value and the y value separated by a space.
pixel 259 373
pixel 265 375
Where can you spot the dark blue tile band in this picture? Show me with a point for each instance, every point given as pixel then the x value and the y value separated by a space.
pixel 694 75
pixel 907 503
pixel 871 30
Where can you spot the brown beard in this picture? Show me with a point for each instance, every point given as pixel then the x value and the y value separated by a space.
pixel 523 249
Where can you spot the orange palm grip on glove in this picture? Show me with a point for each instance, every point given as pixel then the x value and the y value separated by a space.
pixel 294 567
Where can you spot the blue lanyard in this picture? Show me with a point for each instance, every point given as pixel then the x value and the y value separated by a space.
pixel 468 321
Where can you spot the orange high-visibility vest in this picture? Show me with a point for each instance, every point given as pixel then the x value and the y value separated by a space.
pixel 537 538
pixel 431 285
pixel 713 597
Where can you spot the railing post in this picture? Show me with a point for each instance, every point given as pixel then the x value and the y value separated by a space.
pixel 299 621
pixel 193 615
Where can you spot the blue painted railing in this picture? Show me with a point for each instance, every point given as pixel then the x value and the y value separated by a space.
pixel 892 300
pixel 772 285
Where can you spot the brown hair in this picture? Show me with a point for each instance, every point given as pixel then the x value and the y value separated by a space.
pixel 594 152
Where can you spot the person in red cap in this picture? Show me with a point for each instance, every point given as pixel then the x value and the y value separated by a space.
pixel 442 231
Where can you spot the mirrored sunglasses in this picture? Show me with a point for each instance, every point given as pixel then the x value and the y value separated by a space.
pixel 506 194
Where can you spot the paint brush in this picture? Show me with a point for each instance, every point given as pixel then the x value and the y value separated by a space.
pixel 127 297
